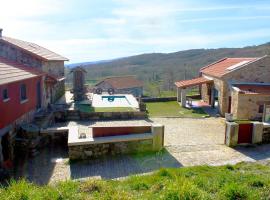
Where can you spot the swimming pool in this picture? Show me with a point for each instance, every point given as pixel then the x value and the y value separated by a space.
pixel 126 100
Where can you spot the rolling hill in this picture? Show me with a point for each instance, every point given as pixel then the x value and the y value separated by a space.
pixel 165 68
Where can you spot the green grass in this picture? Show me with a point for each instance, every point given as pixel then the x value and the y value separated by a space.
pixel 172 109
pixel 88 109
pixel 249 181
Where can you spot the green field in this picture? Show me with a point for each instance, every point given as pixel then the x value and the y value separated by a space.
pixel 247 181
pixel 172 109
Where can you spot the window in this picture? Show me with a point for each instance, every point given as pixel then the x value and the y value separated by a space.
pixel 5 94
pixel 261 108
pixel 23 92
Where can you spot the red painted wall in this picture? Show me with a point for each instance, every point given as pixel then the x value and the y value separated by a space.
pixel 13 109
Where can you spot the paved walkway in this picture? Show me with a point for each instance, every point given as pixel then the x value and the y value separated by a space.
pixel 188 142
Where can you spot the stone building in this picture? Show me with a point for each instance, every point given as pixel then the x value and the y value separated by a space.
pixel 217 82
pixel 31 77
pixel 122 85
pixel 38 57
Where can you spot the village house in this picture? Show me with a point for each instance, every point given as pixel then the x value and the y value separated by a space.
pixel 237 85
pixel 122 85
pixel 31 77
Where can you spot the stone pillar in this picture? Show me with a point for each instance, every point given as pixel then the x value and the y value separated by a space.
pixel 179 94
pixel 183 97
pixel 231 135
pixel 158 136
pixel 257 132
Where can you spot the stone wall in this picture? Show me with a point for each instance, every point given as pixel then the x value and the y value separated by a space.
pixel 55 68
pixel 266 136
pixel 158 99
pixel 246 106
pixel 13 53
pixel 11 131
pixel 97 150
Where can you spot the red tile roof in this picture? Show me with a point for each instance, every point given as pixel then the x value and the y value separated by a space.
pixel 254 89
pixel 192 82
pixel 34 49
pixel 11 72
pixel 224 66
pixel 122 82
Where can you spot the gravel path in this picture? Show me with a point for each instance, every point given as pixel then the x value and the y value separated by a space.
pixel 188 142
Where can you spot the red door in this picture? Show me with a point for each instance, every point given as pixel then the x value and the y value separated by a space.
pixel 245 133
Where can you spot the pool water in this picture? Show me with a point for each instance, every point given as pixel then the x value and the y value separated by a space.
pixel 114 101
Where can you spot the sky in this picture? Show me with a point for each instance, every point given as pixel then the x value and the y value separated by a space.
pixel 92 30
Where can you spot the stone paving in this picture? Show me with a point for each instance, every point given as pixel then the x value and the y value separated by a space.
pixel 188 142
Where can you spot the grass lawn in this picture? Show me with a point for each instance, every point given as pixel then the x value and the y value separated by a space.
pixel 89 109
pixel 249 181
pixel 172 109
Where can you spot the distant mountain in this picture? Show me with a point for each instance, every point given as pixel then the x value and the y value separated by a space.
pixel 168 67
pixel 87 64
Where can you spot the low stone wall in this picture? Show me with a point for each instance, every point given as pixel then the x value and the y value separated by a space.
pixel 112 115
pixel 164 99
pixel 84 148
pixel 158 99
pixel 70 115
pixel 97 150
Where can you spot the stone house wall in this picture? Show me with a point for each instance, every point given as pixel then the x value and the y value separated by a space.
pixel 246 106
pixel 13 53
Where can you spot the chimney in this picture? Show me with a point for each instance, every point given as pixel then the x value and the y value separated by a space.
pixel 1 30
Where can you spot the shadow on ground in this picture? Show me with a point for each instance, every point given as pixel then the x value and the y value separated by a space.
pixel 121 166
pixel 40 169
pixel 255 152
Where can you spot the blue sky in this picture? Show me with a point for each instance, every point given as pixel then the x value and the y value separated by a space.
pixel 90 30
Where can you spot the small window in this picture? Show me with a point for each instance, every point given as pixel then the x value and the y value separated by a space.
pixel 261 108
pixel 5 94
pixel 23 92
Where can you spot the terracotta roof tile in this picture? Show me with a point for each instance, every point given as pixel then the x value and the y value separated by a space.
pixel 224 66
pixel 123 82
pixel 34 49
pixel 192 82
pixel 11 72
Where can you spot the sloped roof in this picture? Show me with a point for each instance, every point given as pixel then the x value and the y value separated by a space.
pixel 226 65
pixel 122 82
pixel 34 49
pixel 11 72
pixel 254 89
pixel 192 82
